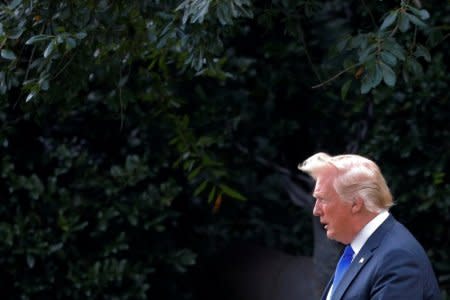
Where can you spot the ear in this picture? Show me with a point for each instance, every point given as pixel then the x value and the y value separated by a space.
pixel 357 205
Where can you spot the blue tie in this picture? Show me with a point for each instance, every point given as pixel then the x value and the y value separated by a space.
pixel 343 264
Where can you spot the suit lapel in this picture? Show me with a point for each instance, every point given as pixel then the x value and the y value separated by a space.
pixel 362 258
pixel 357 264
pixel 327 288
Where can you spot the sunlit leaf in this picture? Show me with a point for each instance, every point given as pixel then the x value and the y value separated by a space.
pixel 30 96
pixel 38 38
pixel 49 49
pixel 8 54
pixel 389 20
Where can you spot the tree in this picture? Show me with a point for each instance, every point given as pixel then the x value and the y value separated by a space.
pixel 124 123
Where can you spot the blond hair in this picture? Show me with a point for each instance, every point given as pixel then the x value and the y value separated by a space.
pixel 357 176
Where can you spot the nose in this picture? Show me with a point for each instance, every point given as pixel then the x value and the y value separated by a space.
pixel 316 209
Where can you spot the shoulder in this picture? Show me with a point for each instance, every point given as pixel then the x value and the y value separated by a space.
pixel 399 239
pixel 399 252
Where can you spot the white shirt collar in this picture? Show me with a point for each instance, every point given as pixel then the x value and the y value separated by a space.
pixel 361 238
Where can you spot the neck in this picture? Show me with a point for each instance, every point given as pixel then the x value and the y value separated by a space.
pixel 361 220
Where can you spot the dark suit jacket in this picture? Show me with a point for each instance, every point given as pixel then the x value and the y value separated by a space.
pixel 391 265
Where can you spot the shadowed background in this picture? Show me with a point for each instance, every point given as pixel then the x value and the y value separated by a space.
pixel 148 149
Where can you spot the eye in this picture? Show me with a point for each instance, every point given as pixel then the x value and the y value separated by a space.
pixel 320 200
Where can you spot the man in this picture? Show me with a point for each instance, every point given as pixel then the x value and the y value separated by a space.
pixel 382 259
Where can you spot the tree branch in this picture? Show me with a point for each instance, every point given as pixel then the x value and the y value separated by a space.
pixel 335 76
pixel 302 37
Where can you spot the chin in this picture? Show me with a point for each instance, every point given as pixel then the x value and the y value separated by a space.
pixel 330 235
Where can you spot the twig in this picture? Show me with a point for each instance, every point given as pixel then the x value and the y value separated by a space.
pixel 302 37
pixel 64 67
pixel 335 76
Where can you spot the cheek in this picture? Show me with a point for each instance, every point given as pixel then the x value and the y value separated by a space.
pixel 340 219
pixel 329 210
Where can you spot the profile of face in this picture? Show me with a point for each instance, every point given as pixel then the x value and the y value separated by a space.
pixel 335 214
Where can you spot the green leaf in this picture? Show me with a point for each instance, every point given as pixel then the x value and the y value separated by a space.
pixel 403 23
pixel 371 78
pixel 205 141
pixel 200 188
pixel 393 47
pixel 194 173
pixel 388 58
pixel 243 11
pixel 223 14
pixel 70 43
pixel 343 43
pixel 231 192
pixel 30 96
pixel 55 247
pixel 8 54
pixel 81 35
pixel 60 38
pixel 30 261
pixel 43 84
pixel 414 67
pixel 201 8
pixel 13 5
pixel 389 76
pixel 211 195
pixel 15 33
pixel 38 38
pixel 345 88
pixel 438 178
pixel 422 13
pixel 377 75
pixel 421 51
pixel 359 41
pixel 49 49
pixel 366 84
pixel 416 20
pixel 367 53
pixel 187 257
pixel 389 20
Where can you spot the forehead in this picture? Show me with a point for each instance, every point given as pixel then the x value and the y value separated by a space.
pixel 324 182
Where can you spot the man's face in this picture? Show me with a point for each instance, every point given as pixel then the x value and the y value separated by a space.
pixel 334 213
